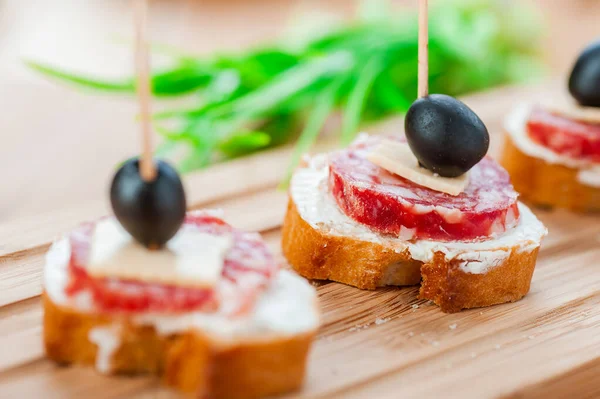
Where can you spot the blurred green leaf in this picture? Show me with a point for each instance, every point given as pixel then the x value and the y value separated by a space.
pixel 182 79
pixel 126 85
pixel 258 98
pixel 357 98
pixel 243 143
pixel 179 80
pixel 314 124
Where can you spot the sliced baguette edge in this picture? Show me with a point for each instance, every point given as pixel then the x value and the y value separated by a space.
pixel 545 184
pixel 189 361
pixel 316 254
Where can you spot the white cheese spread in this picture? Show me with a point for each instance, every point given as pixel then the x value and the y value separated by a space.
pixel 590 176
pixel 564 105
pixel 516 126
pixel 318 208
pixel 107 340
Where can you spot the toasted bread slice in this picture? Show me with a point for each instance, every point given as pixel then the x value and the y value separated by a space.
pixel 320 242
pixel 544 178
pixel 210 355
pixel 548 184
pixel 190 361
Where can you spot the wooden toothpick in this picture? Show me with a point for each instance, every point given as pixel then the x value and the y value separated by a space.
pixel 142 62
pixel 423 77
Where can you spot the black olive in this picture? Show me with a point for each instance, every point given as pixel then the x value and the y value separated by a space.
pixel 584 82
pixel 151 212
pixel 445 135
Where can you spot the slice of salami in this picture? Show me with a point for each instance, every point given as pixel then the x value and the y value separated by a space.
pixel 390 204
pixel 579 140
pixel 247 270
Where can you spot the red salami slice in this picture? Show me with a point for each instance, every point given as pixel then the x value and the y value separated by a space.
pixel 247 270
pixel 390 204
pixel 579 140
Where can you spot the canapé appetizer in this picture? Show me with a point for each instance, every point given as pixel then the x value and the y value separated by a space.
pixel 427 208
pixel 552 149
pixel 184 296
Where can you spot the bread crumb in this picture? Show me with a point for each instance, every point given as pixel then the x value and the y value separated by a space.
pixel 473 355
pixel 453 326
pixel 480 312
pixel 498 346
pixel 379 321
pixel 359 327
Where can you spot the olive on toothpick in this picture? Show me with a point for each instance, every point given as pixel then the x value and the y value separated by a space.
pixel 445 135
pixel 147 196
pixel 584 82
pixel 151 211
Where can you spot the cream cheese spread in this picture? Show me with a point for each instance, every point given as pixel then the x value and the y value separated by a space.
pixel 590 176
pixel 318 208
pixel 108 340
pixel 564 105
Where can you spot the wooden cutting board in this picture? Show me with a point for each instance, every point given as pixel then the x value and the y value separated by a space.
pixel 379 344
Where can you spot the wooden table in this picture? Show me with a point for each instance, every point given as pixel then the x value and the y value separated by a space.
pixel 58 150
pixel 379 344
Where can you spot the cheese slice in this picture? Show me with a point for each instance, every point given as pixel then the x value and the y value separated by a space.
pixel 397 158
pixel 570 109
pixel 191 258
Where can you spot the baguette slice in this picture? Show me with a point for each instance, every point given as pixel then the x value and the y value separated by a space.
pixel 320 242
pixel 543 177
pixel 207 355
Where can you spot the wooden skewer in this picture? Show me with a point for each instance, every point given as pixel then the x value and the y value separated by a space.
pixel 423 77
pixel 142 62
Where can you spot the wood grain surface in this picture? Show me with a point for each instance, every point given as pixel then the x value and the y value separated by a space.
pixel 380 344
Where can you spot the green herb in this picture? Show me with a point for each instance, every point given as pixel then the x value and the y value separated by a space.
pixel 265 97
pixel 97 84
pixel 323 106
pixel 357 98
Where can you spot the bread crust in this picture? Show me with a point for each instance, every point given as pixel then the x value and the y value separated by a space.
pixel 190 362
pixel 367 265
pixel 545 184
pixel 362 264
